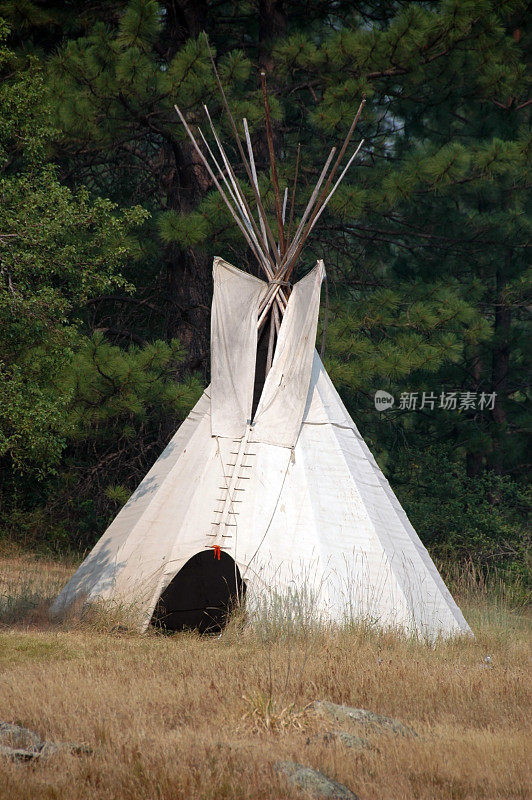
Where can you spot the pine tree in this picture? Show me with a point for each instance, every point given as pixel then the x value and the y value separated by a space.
pixel 425 243
pixel 58 248
pixel 66 398
pixel 437 212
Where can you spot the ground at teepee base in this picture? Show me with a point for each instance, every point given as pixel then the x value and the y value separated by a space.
pixel 184 716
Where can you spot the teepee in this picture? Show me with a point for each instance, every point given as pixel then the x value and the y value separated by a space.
pixel 267 489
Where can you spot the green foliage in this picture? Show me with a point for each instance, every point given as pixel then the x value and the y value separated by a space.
pixel 184 229
pixel 388 335
pixel 117 494
pixel 462 519
pixel 110 386
pixel 425 242
pixel 58 248
pixel 115 403
pixel 140 24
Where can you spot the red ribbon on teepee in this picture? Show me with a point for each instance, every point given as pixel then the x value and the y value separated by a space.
pixel 217 550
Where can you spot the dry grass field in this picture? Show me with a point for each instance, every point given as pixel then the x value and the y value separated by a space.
pixel 171 717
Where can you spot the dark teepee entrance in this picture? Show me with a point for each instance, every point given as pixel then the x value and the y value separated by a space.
pixel 201 596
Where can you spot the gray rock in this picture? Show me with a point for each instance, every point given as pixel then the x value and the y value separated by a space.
pixel 17 754
pixel 360 717
pixel 314 783
pixel 17 738
pixel 347 739
pixel 356 742
pixel 21 744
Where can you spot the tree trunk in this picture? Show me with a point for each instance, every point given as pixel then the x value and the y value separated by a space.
pixel 188 273
pixel 272 23
pixel 474 458
pixel 184 19
pixel 500 365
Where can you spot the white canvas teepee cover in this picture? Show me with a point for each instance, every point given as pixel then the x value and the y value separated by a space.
pixel 293 496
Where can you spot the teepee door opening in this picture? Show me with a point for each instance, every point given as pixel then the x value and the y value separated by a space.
pixel 202 594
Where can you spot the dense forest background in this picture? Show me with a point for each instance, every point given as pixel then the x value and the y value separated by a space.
pixel 108 226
